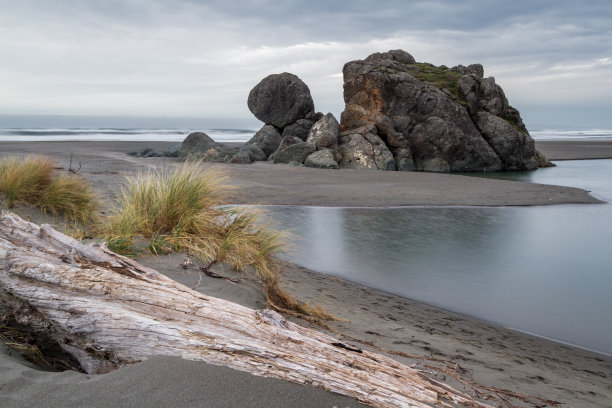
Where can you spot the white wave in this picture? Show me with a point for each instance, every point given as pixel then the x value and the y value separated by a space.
pixel 581 134
pixel 112 134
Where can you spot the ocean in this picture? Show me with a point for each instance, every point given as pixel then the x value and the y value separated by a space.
pixel 221 135
pixel 114 134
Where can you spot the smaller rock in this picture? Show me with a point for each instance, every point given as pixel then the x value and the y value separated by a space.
pixel 242 157
pixel 403 159
pixel 267 139
pixel 314 116
pixel 144 153
pixel 172 151
pixel 322 159
pixel 299 129
pixel 197 145
pixel 295 152
pixel 324 133
pixel 365 151
pixel 152 153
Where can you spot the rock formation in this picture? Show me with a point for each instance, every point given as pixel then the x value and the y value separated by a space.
pixel 405 115
pixel 399 115
pixel 292 130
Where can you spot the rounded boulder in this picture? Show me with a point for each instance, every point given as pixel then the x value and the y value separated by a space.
pixel 280 100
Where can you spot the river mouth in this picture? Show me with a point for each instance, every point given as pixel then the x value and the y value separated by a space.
pixel 544 270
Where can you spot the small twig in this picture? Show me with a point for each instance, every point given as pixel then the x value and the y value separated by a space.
pixel 70 169
pixel 199 280
pixel 212 274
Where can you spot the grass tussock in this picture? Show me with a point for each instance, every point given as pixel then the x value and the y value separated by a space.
pixel 32 180
pixel 181 209
pixel 23 180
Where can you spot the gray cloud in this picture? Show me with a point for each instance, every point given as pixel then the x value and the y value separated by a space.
pixel 201 58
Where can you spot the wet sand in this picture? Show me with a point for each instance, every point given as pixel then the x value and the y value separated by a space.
pixel 576 150
pixel 453 348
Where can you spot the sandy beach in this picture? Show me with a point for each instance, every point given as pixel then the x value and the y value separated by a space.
pixel 456 349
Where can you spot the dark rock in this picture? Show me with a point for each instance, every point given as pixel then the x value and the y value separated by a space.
pixel 474 69
pixel 280 100
pixel 322 159
pixel 286 142
pixel 242 157
pixel 152 153
pixel 196 144
pixel 144 153
pixel 324 133
pixel 295 152
pixel 247 154
pixel 314 116
pixel 172 151
pixel 256 153
pixel 515 147
pixel 403 159
pixel 199 146
pixel 299 129
pixel 426 117
pixel 267 139
pixel 363 149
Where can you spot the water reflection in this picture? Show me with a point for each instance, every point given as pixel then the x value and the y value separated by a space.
pixel 544 270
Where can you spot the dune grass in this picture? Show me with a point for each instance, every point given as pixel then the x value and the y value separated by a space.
pixel 24 179
pixel 32 180
pixel 181 209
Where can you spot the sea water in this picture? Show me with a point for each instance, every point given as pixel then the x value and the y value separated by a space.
pixel 545 270
pixel 118 134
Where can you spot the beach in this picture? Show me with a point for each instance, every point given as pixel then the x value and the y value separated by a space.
pixel 455 349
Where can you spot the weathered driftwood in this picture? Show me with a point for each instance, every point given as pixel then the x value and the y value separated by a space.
pixel 107 311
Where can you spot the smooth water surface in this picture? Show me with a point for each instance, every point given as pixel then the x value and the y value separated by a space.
pixel 545 270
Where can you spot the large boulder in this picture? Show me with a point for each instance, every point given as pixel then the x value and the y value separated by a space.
pixel 280 100
pixel 267 139
pixel 325 133
pixel 429 118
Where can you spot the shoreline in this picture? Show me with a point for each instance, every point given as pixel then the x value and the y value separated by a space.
pixel 437 339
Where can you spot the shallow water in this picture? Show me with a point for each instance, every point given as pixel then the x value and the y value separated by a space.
pixel 544 270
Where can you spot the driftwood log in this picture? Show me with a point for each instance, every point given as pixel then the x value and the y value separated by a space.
pixel 108 311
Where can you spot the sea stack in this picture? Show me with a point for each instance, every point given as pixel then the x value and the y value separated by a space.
pixel 405 115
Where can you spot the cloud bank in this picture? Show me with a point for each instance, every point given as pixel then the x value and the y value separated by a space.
pixel 201 58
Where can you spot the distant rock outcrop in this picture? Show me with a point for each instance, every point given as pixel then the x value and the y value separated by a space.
pixel 405 115
pixel 399 115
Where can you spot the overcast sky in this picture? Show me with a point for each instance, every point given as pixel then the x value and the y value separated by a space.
pixel 190 58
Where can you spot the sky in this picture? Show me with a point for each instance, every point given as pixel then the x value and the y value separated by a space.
pixel 162 59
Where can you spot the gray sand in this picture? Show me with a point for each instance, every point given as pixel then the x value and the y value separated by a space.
pixel 491 355
pixel 576 150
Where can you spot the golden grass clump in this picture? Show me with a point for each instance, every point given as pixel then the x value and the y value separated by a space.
pixel 181 209
pixel 70 196
pixel 31 180
pixel 23 180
